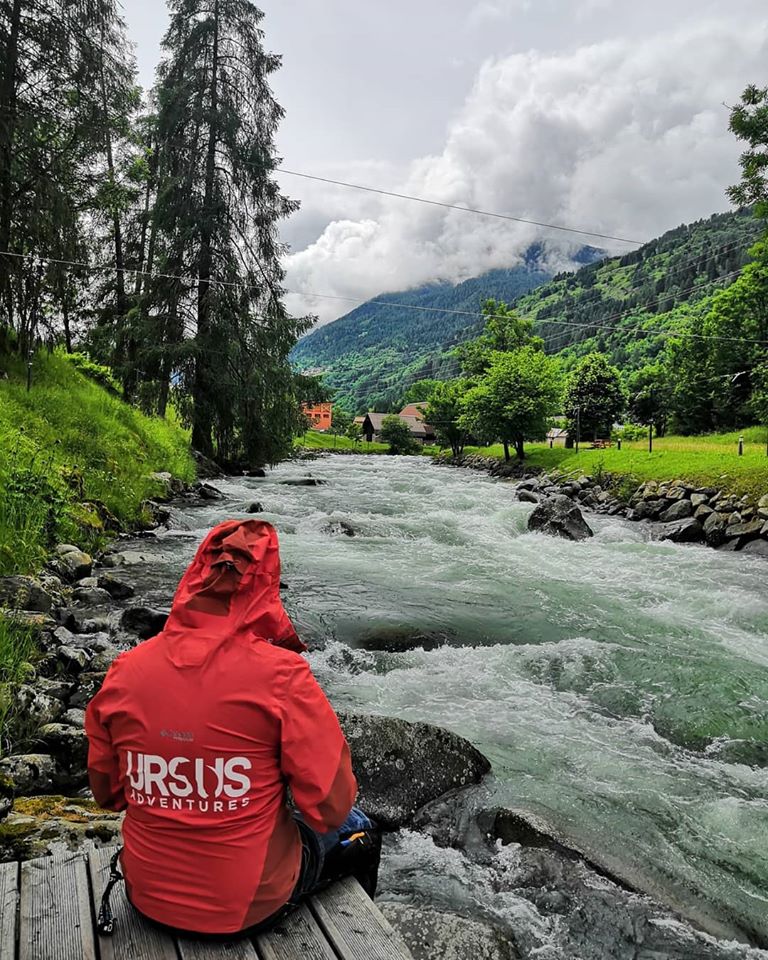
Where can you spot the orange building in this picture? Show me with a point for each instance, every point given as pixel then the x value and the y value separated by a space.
pixel 320 415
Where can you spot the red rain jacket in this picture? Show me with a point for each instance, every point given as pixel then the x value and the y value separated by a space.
pixel 198 733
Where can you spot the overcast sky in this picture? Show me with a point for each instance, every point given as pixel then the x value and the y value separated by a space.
pixel 607 115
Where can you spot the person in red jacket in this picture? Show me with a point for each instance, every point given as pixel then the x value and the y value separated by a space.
pixel 199 733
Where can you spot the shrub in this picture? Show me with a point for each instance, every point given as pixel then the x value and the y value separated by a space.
pixel 397 434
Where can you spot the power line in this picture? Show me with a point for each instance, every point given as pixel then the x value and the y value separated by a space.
pixel 453 206
pixel 441 310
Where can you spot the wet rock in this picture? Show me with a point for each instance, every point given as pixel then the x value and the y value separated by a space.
pixel 702 512
pixel 254 507
pixel 258 472
pixel 401 766
pixel 714 529
pixel 88 686
pixel 75 565
pixel 339 528
pixel 398 639
pixel 207 469
pixel 680 510
pixel 207 491
pixel 155 514
pixel 116 588
pixel 558 516
pixel 527 496
pixel 744 532
pixel 431 934
pixel 30 772
pixel 303 482
pixel 681 531
pixel 145 622
pixel 24 593
pixel 74 659
pixel 757 548
pixel 91 596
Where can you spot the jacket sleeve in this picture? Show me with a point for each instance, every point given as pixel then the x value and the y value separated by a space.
pixel 103 763
pixel 315 758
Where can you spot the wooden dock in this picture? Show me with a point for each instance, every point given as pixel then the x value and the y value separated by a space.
pixel 48 909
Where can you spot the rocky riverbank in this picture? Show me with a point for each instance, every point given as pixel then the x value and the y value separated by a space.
pixel 674 510
pixel 427 785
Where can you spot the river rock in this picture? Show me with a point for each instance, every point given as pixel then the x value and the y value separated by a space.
pixel 303 482
pixel 401 766
pixel 339 528
pixel 744 532
pixel 702 512
pixel 24 593
pixel 398 639
pixel 527 496
pixel 74 659
pixel 91 596
pixel 254 507
pixel 68 745
pixel 207 469
pixel 762 507
pixel 116 588
pixel 145 622
pixel 558 516
pixel 681 531
pixel 206 491
pixel 757 548
pixel 88 685
pixel 714 528
pixel 433 935
pixel 74 717
pixel 75 565
pixel 30 772
pixel 37 706
pixel 680 510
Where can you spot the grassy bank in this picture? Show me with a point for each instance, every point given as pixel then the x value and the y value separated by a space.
pixel 313 440
pixel 705 461
pixel 73 455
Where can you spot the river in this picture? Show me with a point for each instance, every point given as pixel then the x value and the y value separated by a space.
pixel 618 686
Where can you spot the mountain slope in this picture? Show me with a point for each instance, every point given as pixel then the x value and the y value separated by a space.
pixel 623 305
pixel 371 352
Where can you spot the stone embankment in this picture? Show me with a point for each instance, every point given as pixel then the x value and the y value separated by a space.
pixel 676 511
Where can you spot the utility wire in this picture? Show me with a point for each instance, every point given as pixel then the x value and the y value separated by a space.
pixel 441 310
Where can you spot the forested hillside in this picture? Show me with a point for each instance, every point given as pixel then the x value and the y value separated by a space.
pixel 602 305
pixel 371 352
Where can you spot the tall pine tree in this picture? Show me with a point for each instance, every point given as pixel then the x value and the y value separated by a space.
pixel 216 218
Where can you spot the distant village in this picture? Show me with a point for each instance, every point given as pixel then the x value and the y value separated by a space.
pixel 320 416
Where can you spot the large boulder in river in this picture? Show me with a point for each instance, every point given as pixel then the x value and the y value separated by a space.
pixel 401 766
pixel 303 482
pixel 430 933
pixel 559 516
pixel 681 531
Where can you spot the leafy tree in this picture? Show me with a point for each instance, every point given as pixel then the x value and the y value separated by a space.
pixel 503 331
pixel 759 399
pixel 594 393
pixel 419 391
pixel 749 121
pixel 216 214
pixel 444 411
pixel 341 422
pixel 650 397
pixel 515 399
pixel 397 434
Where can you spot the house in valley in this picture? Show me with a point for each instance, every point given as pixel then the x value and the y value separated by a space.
pixel 370 426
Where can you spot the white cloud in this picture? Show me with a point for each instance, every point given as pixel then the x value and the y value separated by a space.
pixel 625 138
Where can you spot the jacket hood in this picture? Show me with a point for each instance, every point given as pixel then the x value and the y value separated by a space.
pixel 230 593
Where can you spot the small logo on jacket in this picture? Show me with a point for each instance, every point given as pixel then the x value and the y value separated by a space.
pixel 188 783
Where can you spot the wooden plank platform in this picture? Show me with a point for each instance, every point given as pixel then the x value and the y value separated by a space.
pixel 48 909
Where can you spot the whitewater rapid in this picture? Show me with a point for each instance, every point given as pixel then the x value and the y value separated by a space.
pixel 618 686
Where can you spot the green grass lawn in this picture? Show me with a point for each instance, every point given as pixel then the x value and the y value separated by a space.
pixel 708 461
pixel 314 440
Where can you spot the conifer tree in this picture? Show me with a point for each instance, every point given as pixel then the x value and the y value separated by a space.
pixel 216 214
